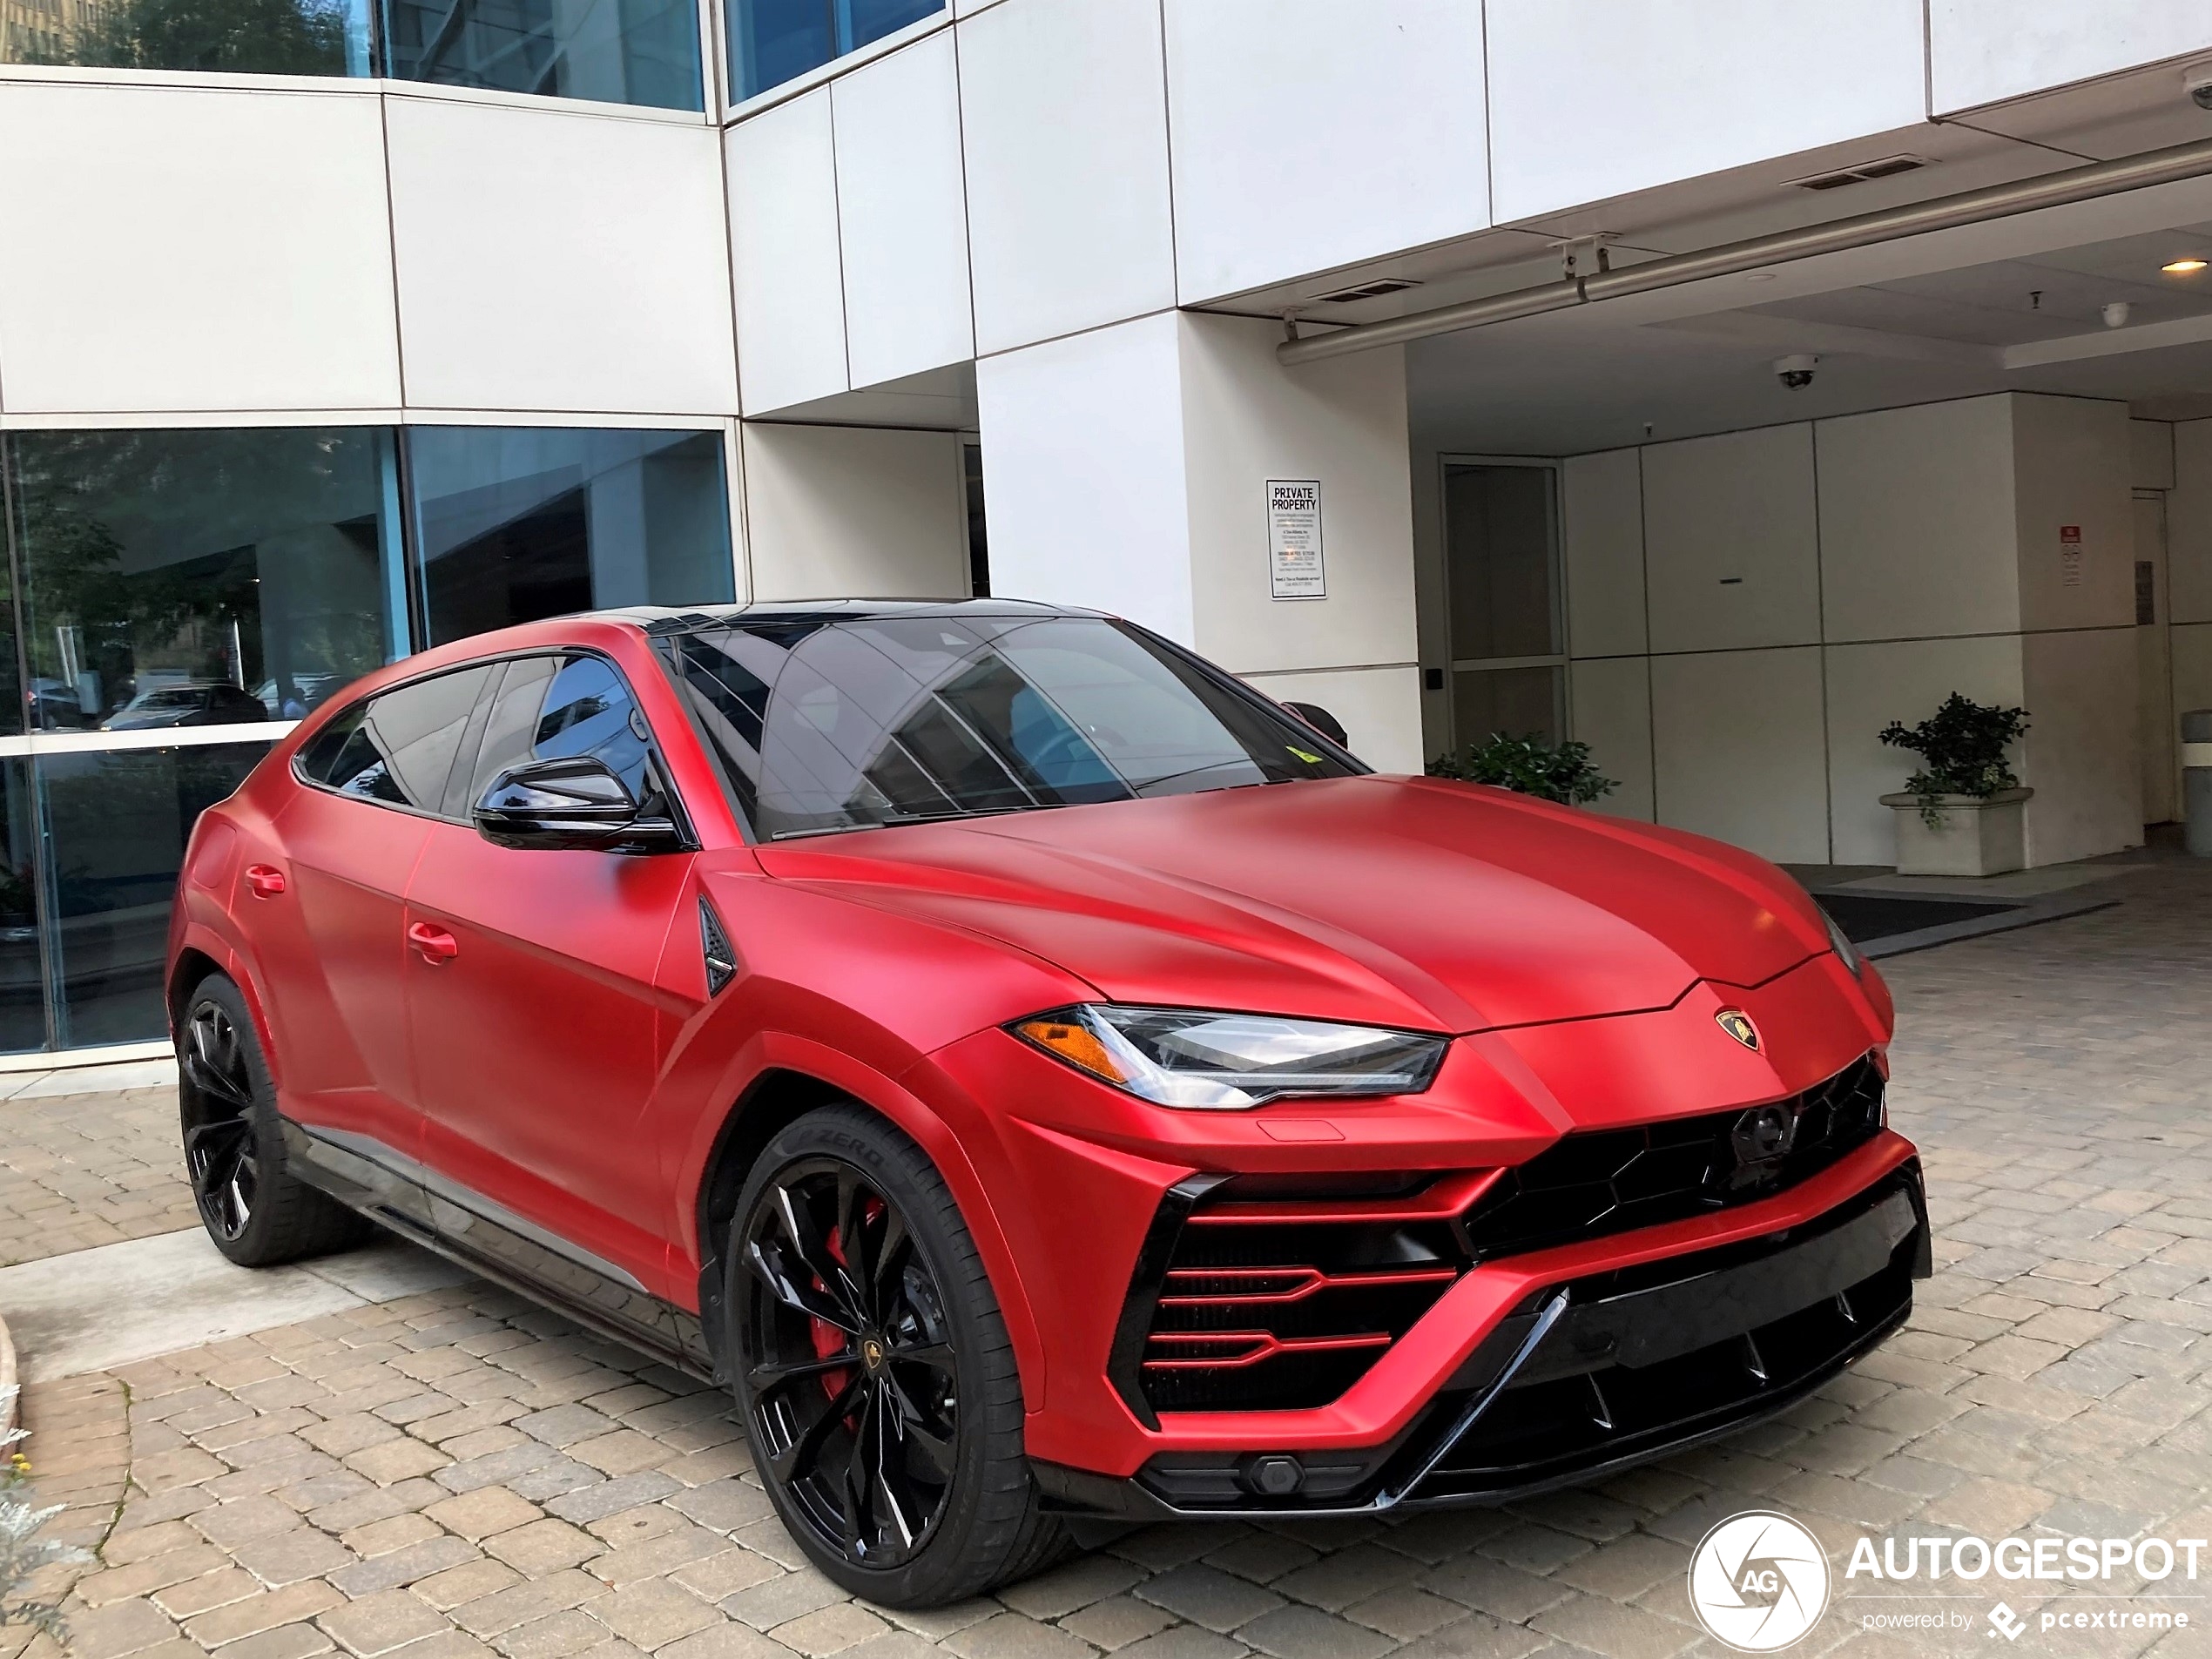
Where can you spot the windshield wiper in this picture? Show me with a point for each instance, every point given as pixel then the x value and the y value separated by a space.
pixel 908 818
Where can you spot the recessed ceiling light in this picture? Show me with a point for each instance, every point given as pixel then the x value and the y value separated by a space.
pixel 2188 267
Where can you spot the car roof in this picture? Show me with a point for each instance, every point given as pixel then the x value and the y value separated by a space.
pixel 669 619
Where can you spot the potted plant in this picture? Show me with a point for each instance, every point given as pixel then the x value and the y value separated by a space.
pixel 1531 766
pixel 1961 814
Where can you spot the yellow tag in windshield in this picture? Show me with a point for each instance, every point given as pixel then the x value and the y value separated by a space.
pixel 1310 760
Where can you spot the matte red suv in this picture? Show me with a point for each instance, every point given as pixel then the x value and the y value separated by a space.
pixel 1052 1085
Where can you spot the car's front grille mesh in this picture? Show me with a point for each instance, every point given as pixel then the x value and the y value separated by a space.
pixel 1282 1302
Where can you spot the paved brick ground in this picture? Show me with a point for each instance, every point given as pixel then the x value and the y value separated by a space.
pixel 460 1474
pixel 80 1170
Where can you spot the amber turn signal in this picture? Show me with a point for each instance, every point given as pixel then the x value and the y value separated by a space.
pixel 1075 1044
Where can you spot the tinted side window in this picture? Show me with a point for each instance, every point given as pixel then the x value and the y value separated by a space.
pixel 398 748
pixel 551 708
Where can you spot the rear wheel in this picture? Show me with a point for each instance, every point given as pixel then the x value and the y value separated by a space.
pixel 255 1211
pixel 878 1384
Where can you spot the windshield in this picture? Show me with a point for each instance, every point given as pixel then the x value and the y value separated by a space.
pixel 828 725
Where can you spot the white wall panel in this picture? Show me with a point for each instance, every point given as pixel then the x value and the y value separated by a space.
pixel 2188 526
pixel 1083 472
pixel 1916 522
pixel 1602 502
pixel 785 252
pixel 1737 740
pixel 1981 51
pixel 551 259
pixel 2070 470
pixel 2150 454
pixel 169 249
pixel 1312 133
pixel 1731 555
pixel 902 214
pixel 1379 709
pixel 2081 755
pixel 2192 666
pixel 854 512
pixel 1587 102
pixel 1870 685
pixel 1065 116
pixel 1246 419
pixel 1610 704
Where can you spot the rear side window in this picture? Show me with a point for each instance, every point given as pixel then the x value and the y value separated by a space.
pixel 555 708
pixel 399 746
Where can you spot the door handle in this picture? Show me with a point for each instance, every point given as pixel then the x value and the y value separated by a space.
pixel 435 943
pixel 264 880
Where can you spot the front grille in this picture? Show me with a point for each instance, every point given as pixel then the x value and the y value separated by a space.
pixel 1597 1182
pixel 1253 1296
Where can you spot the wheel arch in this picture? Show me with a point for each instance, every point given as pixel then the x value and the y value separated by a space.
pixel 202 953
pixel 784 1089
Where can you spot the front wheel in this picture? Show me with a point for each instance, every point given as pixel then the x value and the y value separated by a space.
pixel 878 1384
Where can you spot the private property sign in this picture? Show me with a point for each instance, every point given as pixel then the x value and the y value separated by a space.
pixel 1294 539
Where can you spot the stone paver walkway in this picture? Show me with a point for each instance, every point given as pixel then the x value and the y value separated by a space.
pixel 86 1170
pixel 458 1473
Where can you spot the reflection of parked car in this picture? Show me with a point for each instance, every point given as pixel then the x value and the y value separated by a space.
pixel 307 691
pixel 55 706
pixel 195 703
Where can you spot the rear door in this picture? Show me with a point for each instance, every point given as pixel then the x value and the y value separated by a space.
pixel 331 943
pixel 535 1027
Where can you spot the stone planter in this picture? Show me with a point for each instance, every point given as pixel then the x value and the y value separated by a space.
pixel 1972 836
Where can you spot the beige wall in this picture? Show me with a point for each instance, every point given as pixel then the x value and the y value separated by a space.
pixel 853 512
pixel 1799 587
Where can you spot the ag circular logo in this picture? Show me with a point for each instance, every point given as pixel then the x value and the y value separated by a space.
pixel 1758 1582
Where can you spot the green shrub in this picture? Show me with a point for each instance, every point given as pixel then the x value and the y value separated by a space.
pixel 1962 751
pixel 1531 766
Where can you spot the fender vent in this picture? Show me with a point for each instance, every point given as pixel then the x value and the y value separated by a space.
pixel 714 946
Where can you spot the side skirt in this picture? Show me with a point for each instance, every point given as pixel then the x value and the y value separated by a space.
pixel 431 1209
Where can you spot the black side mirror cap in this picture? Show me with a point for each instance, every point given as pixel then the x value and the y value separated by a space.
pixel 575 803
pixel 1322 721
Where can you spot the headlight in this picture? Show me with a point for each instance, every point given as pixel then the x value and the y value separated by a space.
pixel 1845 949
pixel 1208 1061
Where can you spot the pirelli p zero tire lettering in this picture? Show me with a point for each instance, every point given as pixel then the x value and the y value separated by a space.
pixel 255 1210
pixel 873 1371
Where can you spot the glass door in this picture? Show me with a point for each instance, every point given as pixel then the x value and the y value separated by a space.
pixel 1508 670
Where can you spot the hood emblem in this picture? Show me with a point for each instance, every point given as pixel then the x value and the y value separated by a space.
pixel 1738 1025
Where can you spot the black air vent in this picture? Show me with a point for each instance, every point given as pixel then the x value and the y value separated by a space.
pixel 1859 172
pixel 1374 290
pixel 714 948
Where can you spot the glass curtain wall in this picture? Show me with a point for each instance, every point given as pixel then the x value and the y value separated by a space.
pixel 774 41
pixel 618 51
pixel 186 594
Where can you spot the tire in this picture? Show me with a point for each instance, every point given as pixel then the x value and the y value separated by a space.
pixel 903 1368
pixel 255 1210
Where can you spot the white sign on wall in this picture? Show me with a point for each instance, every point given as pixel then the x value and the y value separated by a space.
pixel 2070 556
pixel 1294 539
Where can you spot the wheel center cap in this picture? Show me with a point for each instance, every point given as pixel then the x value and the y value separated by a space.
pixel 873 1353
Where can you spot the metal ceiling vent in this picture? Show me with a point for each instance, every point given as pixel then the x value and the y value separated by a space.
pixel 1374 290
pixel 714 948
pixel 1859 172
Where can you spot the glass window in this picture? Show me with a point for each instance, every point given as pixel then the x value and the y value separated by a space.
pixel 398 748
pixel 248 36
pixel 894 720
pixel 553 708
pixel 117 824
pixel 1514 702
pixel 518 523
pixel 23 1002
pixel 774 41
pixel 201 577
pixel 1498 531
pixel 617 51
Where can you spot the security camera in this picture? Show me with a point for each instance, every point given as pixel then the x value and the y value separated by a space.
pixel 2197 81
pixel 1796 372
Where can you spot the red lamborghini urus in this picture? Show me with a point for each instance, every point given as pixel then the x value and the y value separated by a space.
pixel 1051 1085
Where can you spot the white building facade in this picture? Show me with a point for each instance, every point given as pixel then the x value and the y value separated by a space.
pixel 413 320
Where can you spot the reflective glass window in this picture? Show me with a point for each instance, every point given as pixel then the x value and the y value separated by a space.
pixel 774 41
pixel 398 748
pixel 617 51
pixel 22 1003
pixel 234 37
pixel 117 824
pixel 552 708
pixel 518 523
pixel 201 577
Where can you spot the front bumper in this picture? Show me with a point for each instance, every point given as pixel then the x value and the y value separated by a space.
pixel 1586 1375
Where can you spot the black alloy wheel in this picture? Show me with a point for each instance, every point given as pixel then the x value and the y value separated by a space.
pixel 873 1368
pixel 256 1212
pixel 853 1382
pixel 220 1154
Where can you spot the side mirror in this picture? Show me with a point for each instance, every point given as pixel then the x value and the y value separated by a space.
pixel 1322 721
pixel 575 803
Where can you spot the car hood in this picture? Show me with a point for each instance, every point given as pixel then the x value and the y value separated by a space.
pixel 1391 900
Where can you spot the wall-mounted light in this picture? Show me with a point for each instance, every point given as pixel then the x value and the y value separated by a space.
pixel 2188 267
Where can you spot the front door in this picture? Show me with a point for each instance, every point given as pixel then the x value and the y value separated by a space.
pixel 534 1028
pixel 2155 659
